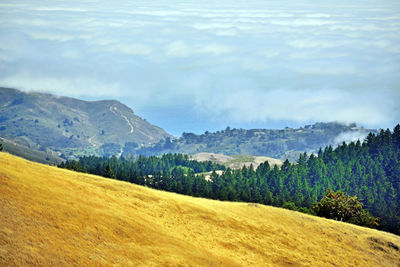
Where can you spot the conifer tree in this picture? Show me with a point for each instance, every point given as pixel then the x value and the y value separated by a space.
pixel 108 172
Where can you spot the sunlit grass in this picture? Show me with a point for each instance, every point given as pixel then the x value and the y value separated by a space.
pixel 239 161
pixel 51 216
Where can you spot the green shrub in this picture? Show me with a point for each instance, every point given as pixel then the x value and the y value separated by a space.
pixel 340 207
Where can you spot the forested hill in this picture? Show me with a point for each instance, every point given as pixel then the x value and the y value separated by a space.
pixel 368 170
pixel 287 143
pixel 71 126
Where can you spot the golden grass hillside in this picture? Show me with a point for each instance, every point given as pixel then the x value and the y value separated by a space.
pixel 51 216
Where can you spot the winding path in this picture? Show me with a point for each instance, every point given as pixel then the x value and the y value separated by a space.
pixel 114 110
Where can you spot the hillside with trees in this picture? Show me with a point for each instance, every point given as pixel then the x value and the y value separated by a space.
pixel 369 170
pixel 281 144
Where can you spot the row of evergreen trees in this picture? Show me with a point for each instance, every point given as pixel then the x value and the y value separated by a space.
pixel 141 168
pixel 369 170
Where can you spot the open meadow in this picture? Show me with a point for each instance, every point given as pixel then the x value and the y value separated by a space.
pixel 51 216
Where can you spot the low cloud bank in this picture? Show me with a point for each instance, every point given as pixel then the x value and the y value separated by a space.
pixel 234 62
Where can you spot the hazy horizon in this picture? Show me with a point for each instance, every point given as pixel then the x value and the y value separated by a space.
pixel 193 67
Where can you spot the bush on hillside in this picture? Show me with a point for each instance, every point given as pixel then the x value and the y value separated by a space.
pixel 340 207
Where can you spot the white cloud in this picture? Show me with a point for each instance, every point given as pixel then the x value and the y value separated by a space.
pixel 215 49
pixel 312 43
pixel 64 86
pixel 131 49
pixel 59 9
pixel 269 53
pixel 327 69
pixel 348 137
pixel 178 49
pixel 233 61
pixel 213 26
pixel 318 15
pixel 303 22
pixel 57 37
pixel 227 32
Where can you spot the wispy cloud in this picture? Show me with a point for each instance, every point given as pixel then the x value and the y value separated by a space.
pixel 228 61
pixel 348 137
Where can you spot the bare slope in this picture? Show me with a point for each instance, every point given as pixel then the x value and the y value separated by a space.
pixel 51 216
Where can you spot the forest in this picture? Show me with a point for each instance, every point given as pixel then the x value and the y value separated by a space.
pixel 369 170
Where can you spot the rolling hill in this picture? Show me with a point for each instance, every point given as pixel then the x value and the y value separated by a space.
pixel 51 216
pixel 70 126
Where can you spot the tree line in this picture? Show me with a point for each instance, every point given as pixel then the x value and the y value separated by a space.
pixel 369 170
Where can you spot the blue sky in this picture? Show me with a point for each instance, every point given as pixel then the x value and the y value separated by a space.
pixel 192 66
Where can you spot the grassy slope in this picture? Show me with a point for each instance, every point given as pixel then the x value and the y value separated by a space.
pixel 245 160
pixel 51 216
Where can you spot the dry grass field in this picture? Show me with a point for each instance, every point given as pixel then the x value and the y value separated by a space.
pixel 51 216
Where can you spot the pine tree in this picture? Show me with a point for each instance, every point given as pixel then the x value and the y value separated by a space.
pixel 108 172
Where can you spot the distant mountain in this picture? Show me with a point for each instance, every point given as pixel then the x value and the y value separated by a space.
pixel 71 126
pixel 287 143
pixel 44 123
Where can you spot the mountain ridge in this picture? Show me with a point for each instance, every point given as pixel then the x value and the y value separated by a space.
pixel 64 123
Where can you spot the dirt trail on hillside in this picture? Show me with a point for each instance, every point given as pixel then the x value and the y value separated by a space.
pixel 115 111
